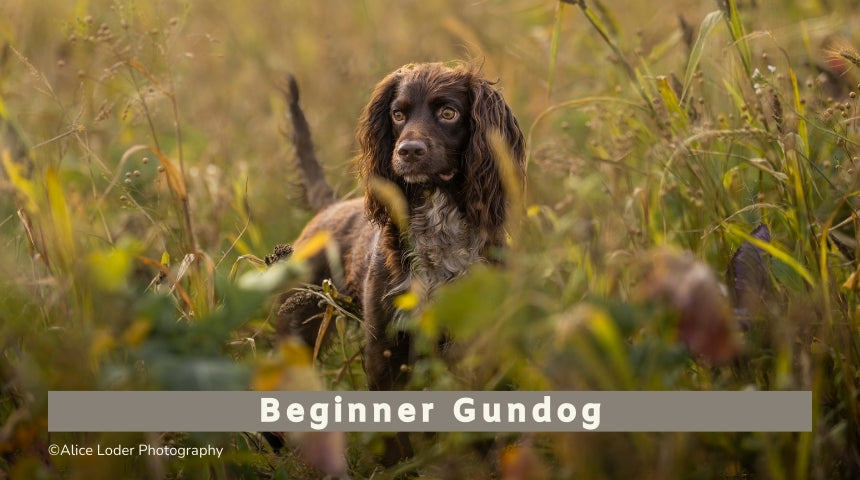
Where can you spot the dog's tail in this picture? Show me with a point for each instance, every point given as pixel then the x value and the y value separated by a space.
pixel 318 192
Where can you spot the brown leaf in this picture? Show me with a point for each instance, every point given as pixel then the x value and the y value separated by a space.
pixel 521 462
pixel 175 180
pixel 706 322
pixel 747 275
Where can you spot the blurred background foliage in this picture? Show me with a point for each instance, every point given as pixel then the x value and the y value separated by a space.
pixel 145 175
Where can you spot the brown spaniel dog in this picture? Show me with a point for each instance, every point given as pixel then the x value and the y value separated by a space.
pixel 426 131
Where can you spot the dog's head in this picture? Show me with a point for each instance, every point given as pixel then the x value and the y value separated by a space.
pixel 427 126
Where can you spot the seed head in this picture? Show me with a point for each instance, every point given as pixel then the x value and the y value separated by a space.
pixel 841 56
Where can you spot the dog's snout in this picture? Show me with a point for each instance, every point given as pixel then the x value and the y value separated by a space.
pixel 412 149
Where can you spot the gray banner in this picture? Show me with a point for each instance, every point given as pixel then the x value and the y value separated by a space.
pixel 459 411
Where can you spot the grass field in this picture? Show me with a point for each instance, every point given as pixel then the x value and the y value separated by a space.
pixel 145 173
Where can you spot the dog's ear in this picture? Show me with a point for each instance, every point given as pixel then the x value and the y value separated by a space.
pixel 376 141
pixel 486 202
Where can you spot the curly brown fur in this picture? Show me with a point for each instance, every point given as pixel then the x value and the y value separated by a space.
pixel 425 130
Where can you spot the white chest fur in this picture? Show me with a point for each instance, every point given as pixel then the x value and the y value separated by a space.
pixel 443 245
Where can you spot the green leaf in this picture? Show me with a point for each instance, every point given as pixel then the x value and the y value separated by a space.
pixel 696 53
pixel 736 28
pixel 466 306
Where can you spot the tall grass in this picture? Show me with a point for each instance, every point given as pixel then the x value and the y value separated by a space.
pixel 145 177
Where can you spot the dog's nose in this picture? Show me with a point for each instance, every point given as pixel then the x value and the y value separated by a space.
pixel 412 149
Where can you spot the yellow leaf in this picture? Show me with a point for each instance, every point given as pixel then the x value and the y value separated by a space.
pixel 81 8
pixel 295 353
pixel 312 246
pixel 670 98
pixel 267 377
pixel 290 369
pixel 429 323
pixel 607 334
pixel 101 343
pixel 800 108
pixel 137 332
pixel 20 182
pixel 774 251
pixel 62 220
pixel 390 195
pixel 3 112
pixel 406 301
pixel 852 283
pixel 110 269
pixel 508 169
pixel 529 377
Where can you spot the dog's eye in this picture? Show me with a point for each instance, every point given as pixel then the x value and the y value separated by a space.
pixel 398 116
pixel 448 113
